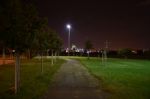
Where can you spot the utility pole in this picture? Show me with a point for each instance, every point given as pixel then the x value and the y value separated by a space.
pixel 105 51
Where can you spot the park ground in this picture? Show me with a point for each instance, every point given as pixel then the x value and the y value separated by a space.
pixel 33 82
pixel 121 78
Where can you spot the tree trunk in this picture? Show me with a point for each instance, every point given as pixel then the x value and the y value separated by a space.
pixel 29 54
pixel 17 73
pixel 41 62
pixel 55 56
pixel 4 56
pixel 52 62
pixel 47 53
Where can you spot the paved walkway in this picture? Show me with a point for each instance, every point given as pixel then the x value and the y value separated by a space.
pixel 74 82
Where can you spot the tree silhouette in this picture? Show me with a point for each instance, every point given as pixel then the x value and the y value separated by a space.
pixel 126 52
pixel 20 29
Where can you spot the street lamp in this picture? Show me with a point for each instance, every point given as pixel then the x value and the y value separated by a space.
pixel 68 27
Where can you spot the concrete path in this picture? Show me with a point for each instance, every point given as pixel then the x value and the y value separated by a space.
pixel 73 81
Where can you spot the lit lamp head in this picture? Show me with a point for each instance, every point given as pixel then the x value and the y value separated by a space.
pixel 68 26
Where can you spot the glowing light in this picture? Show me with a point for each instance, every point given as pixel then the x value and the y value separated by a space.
pixel 68 26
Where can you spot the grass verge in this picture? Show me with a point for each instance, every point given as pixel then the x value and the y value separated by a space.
pixel 33 84
pixel 123 78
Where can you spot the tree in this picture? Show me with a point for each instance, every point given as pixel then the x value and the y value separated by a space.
pixel 33 24
pixel 12 30
pixel 47 39
pixel 54 43
pixel 126 52
pixel 22 29
pixel 58 45
pixel 41 39
pixel 18 29
pixel 146 54
pixel 88 46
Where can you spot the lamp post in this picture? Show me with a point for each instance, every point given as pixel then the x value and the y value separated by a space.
pixel 69 27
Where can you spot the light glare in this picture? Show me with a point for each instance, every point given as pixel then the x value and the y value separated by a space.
pixel 68 26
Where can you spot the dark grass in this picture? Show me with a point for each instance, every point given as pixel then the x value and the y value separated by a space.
pixel 33 83
pixel 123 78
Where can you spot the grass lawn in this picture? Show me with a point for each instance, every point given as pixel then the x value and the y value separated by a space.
pixel 33 83
pixel 123 78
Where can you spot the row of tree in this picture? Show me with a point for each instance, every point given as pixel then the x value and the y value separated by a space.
pixel 22 30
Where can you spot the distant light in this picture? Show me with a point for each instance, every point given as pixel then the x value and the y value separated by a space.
pixel 68 26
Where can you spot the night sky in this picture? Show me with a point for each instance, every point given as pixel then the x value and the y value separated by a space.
pixel 125 24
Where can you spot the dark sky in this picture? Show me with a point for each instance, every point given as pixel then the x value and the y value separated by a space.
pixel 124 23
